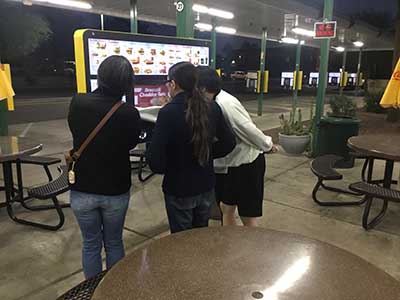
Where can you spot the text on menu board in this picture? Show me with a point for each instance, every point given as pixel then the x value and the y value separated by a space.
pixel 146 58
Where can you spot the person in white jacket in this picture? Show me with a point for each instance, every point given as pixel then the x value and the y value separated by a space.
pixel 240 174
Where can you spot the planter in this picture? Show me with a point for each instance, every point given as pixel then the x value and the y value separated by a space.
pixel 293 144
pixel 334 133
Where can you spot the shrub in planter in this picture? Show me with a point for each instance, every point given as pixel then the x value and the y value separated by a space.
pixel 372 101
pixel 342 106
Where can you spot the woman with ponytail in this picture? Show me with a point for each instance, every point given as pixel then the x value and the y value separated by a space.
pixel 190 133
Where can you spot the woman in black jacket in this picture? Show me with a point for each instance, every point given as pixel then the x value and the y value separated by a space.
pixel 190 132
pixel 100 195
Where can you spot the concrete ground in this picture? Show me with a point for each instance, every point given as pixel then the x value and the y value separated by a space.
pixel 39 264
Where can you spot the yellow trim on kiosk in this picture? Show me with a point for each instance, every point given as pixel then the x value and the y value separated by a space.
pixel 219 72
pixel 258 82
pixel 299 80
pixel 80 60
pixel 344 76
pixel 360 79
pixel 266 81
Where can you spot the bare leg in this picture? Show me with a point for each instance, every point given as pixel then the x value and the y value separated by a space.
pixel 250 222
pixel 228 214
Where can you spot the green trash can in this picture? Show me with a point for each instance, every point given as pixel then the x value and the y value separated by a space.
pixel 334 133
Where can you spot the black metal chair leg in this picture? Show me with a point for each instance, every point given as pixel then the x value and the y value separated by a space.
pixel 338 190
pixel 48 173
pixel 364 170
pixel 38 225
pixel 332 203
pixel 142 165
pixel 376 220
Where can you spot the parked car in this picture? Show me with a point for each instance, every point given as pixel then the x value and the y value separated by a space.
pixel 69 69
pixel 238 75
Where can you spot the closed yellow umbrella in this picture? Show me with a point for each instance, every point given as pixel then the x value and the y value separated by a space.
pixel 6 90
pixel 391 98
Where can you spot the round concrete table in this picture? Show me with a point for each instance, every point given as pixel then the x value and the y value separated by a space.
pixel 238 263
pixel 380 146
pixel 12 148
pixel 385 147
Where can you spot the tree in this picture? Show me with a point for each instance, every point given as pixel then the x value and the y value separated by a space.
pixel 21 32
pixel 396 55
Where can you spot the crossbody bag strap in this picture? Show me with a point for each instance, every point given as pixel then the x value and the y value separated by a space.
pixel 96 130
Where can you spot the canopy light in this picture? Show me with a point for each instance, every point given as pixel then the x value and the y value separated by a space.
pixel 226 30
pixel 358 44
pixel 203 26
pixel 68 3
pixel 200 8
pixel 293 41
pixel 340 49
pixel 220 29
pixel 303 31
pixel 213 11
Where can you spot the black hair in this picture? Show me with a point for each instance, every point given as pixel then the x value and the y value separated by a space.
pixel 115 77
pixel 185 76
pixel 209 80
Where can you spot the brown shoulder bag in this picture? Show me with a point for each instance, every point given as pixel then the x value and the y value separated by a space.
pixel 72 156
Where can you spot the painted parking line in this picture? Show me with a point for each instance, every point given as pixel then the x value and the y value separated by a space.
pixel 25 132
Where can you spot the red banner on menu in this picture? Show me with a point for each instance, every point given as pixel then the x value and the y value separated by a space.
pixel 150 95
pixel 325 30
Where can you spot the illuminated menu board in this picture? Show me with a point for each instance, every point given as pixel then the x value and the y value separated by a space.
pixel 147 58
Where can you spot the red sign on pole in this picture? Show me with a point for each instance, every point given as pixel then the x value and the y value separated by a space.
pixel 325 30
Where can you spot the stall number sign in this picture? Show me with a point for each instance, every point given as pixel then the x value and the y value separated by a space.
pixel 325 30
pixel 180 6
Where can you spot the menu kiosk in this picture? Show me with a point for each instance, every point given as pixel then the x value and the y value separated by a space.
pixel 151 57
pixel 287 79
pixel 334 78
pixel 313 79
pixel 352 80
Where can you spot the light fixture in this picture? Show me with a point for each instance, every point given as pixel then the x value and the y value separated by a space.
pixel 358 44
pixel 200 8
pixel 213 11
pixel 220 29
pixel 289 40
pixel 220 13
pixel 203 26
pixel 226 30
pixel 68 3
pixel 303 31
pixel 340 49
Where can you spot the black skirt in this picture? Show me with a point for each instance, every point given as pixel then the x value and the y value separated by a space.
pixel 243 187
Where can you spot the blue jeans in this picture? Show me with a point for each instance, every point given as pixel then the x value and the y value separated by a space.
pixel 190 212
pixel 101 220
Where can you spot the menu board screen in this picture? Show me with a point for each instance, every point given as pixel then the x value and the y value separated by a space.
pixel 146 58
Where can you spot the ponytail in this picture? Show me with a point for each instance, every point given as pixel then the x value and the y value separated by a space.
pixel 185 76
pixel 197 118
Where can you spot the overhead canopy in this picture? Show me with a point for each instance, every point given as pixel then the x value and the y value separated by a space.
pixel 250 17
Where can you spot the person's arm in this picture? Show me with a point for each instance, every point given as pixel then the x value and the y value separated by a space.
pixel 157 152
pixel 226 141
pixel 134 126
pixel 247 131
